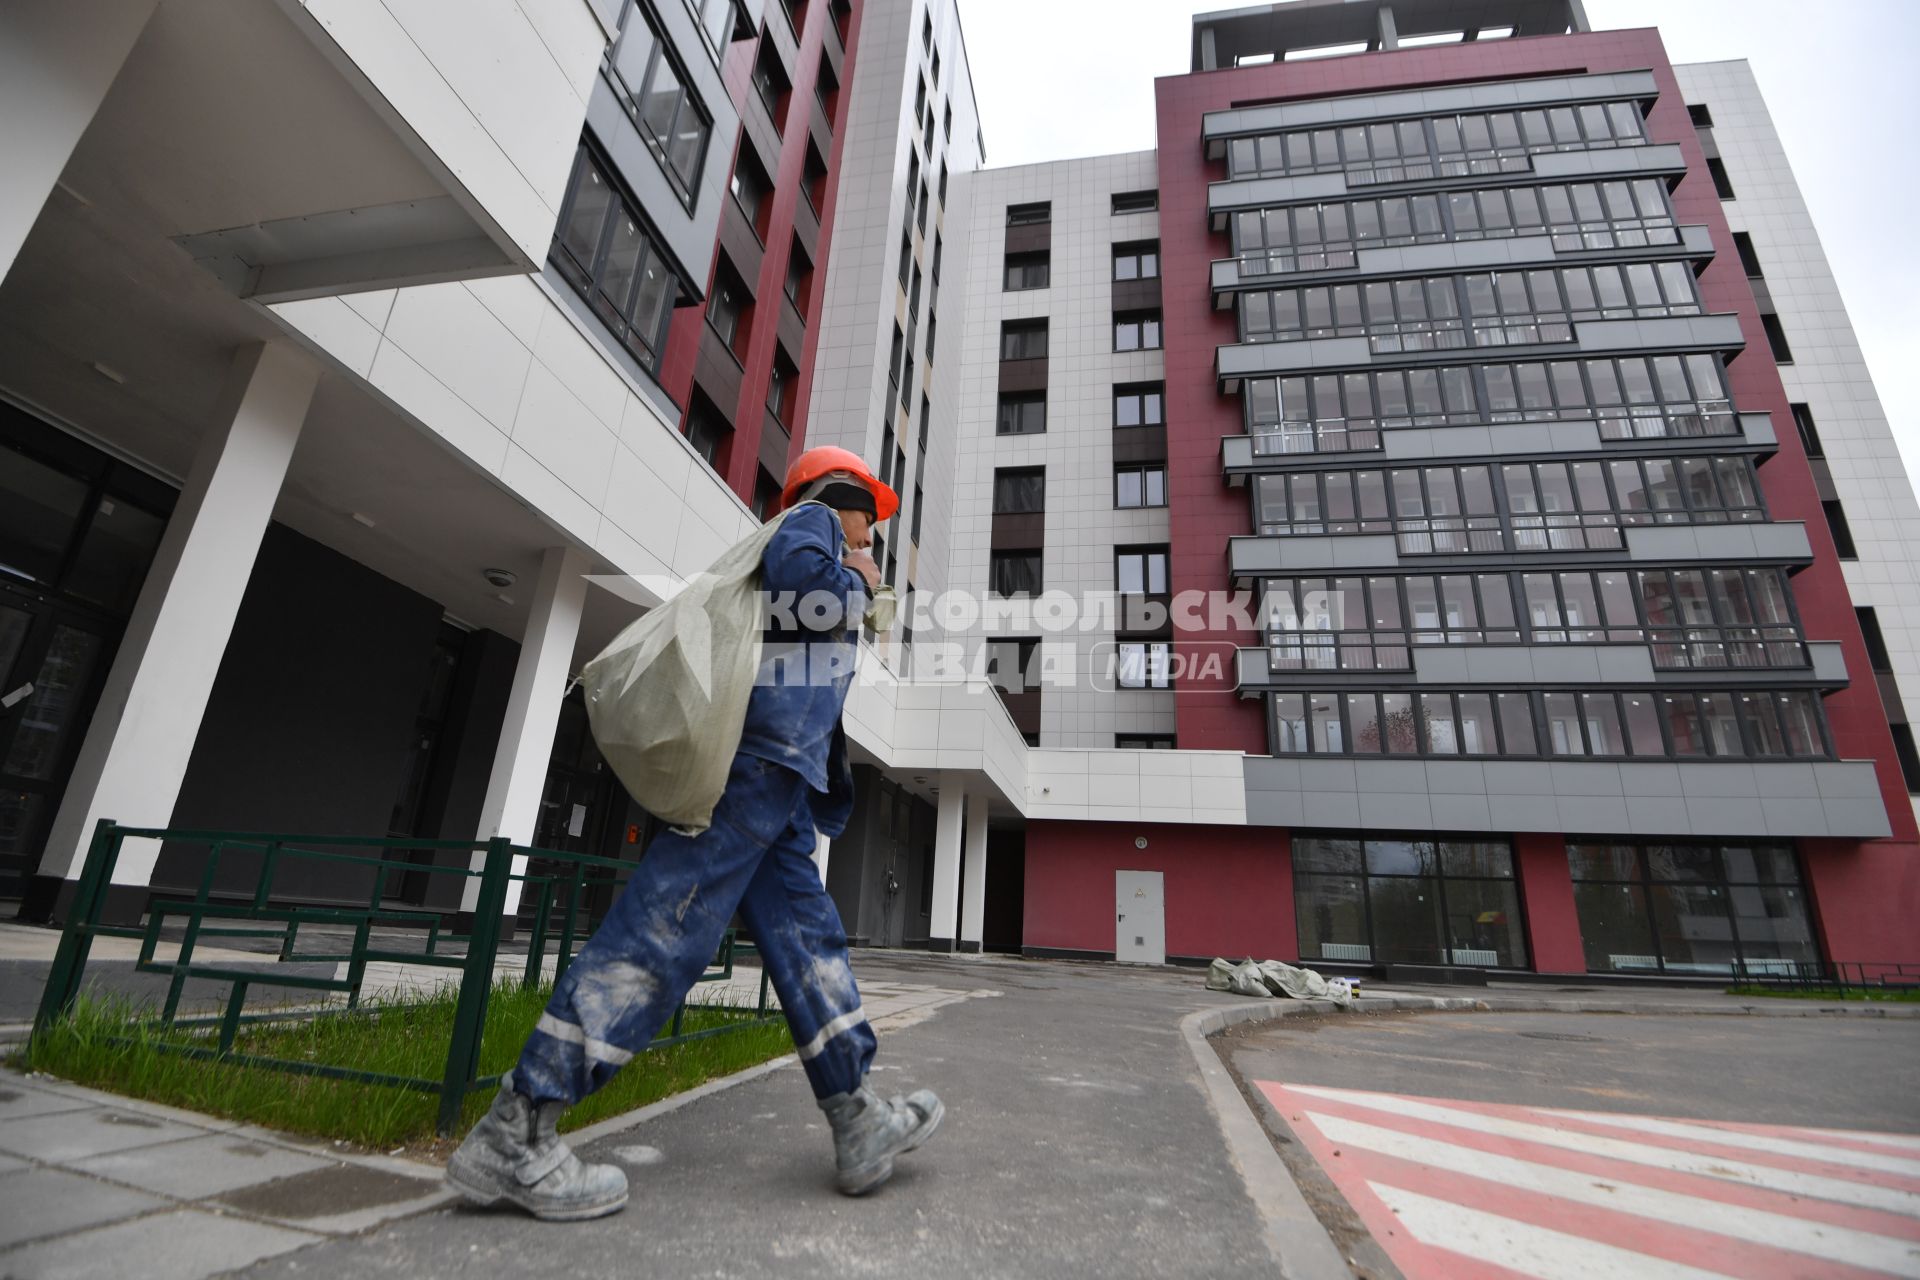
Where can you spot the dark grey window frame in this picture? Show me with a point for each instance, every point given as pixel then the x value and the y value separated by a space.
pixel 1491 526
pixel 634 100
pixel 586 278
pixel 1471 309
pixel 1326 235
pixel 1412 148
pixel 1382 631
pixel 1538 721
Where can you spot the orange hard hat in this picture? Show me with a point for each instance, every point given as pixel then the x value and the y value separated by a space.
pixel 826 460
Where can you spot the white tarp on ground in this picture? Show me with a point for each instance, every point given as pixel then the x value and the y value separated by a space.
pixel 1272 978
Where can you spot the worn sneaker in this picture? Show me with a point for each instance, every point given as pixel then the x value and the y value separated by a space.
pixel 869 1132
pixel 513 1154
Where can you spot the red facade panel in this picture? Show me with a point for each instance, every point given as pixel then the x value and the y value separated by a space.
pixel 1228 890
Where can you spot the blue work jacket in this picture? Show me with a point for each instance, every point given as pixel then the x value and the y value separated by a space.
pixel 807 660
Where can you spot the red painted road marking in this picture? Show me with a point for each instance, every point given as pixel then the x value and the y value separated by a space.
pixel 1459 1189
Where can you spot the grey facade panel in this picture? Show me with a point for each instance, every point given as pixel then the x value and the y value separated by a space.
pixel 1504 439
pixel 1260 193
pixel 1411 258
pixel 1758 428
pixel 1663 158
pixel 1667 333
pixel 1829 661
pixel 1251 555
pixel 1683 798
pixel 1418 102
pixel 1783 542
pixel 1252 359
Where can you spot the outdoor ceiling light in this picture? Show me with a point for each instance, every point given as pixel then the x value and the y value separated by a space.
pixel 502 578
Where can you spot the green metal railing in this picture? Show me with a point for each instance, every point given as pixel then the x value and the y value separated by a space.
pixel 256 915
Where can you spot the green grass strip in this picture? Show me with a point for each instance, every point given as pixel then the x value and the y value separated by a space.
pixel 111 1044
pixel 1890 995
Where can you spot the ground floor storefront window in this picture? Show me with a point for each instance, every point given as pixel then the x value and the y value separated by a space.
pixel 1407 901
pixel 1690 906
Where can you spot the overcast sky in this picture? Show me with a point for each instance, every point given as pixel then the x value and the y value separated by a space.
pixel 1063 78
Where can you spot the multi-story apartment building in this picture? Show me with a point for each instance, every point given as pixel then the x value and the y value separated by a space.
pixel 1428 510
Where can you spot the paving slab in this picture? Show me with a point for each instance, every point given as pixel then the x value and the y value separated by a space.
pixel 199 1167
pixel 47 1202
pixel 74 1135
pixel 340 1199
pixel 19 1102
pixel 183 1245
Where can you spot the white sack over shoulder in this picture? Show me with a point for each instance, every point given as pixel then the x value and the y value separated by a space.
pixel 667 700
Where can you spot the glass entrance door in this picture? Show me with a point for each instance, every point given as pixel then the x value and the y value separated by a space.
pixel 52 662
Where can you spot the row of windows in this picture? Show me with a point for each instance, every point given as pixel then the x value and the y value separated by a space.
pixel 1709 619
pixel 1620 214
pixel 1643 906
pixel 1023 490
pixel 653 89
pixel 1139 404
pixel 1438 146
pixel 1481 309
pixel 1639 724
pixel 1520 506
pixel 1136 570
pixel 606 254
pixel 1413 901
pixel 1690 906
pixel 1631 398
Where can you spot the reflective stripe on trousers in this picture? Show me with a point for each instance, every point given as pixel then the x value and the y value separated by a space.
pixel 664 928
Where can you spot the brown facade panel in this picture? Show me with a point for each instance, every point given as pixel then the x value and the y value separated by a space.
pixel 1023 375
pixel 1035 237
pixel 792 329
pixel 717 372
pixel 1139 444
pixel 817 125
pixel 1136 295
pixel 1823 479
pixel 774 444
pixel 739 243
pixel 1890 697
pixel 806 229
pixel 1024 708
pixel 1022 531
pixel 759 128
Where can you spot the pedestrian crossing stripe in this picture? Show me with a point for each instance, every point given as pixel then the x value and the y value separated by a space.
pixel 1466 1189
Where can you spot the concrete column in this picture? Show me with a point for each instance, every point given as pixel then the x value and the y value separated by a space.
pixel 142 735
pixel 973 902
pixel 57 61
pixel 533 711
pixel 1389 30
pixel 822 847
pixel 943 929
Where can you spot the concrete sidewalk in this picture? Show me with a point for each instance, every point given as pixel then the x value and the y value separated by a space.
pixel 97 1185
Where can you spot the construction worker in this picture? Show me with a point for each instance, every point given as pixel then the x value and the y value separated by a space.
pixel 789 780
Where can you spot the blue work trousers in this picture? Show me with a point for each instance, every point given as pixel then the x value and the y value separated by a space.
pixel 667 924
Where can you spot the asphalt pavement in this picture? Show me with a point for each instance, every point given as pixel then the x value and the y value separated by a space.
pixel 1077 1143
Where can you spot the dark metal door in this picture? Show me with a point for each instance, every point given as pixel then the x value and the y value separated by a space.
pixel 53 660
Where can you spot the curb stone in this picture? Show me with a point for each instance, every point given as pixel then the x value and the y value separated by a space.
pixel 1299 1244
